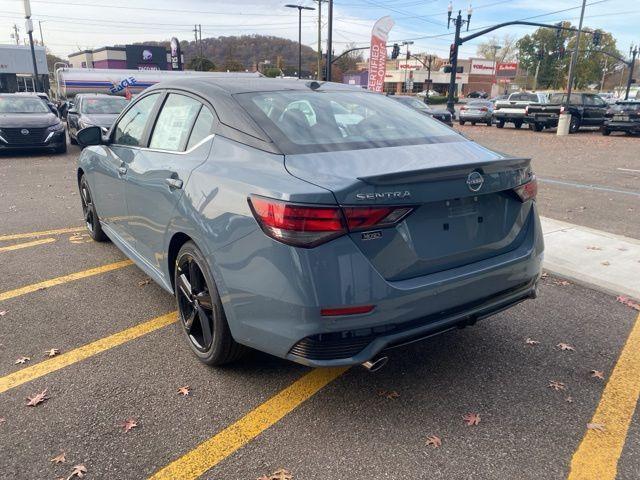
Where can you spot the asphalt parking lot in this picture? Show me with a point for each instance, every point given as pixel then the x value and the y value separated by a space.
pixel 121 357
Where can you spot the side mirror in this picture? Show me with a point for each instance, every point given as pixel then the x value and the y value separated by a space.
pixel 89 136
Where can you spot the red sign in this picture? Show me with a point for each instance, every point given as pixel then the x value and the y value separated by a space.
pixel 509 69
pixel 378 53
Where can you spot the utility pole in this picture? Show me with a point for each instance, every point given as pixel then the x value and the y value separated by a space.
pixel 535 76
pixel 320 2
pixel 29 27
pixel 429 62
pixel 633 51
pixel 198 66
pixel 330 41
pixel 406 67
pixel 41 37
pixel 300 8
pixel 604 73
pixel 16 35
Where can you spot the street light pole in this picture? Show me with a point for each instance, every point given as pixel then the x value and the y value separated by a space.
pixel 458 21
pixel 330 41
pixel 634 53
pixel 300 8
pixel 406 67
pixel 29 27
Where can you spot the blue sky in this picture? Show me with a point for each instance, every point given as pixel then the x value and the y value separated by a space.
pixel 73 24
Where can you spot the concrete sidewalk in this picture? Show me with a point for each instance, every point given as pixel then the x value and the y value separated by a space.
pixel 594 258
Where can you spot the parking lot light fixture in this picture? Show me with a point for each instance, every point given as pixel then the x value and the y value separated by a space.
pixel 300 8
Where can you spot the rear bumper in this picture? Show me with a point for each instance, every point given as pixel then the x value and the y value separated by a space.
pixel 547 120
pixel 475 117
pixel 509 116
pixel 273 298
pixel 633 127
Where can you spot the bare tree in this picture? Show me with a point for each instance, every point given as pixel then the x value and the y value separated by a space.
pixel 503 49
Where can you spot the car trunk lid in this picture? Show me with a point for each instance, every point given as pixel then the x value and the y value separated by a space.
pixel 465 209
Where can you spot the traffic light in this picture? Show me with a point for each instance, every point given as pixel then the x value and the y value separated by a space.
pixel 597 38
pixel 408 54
pixel 395 51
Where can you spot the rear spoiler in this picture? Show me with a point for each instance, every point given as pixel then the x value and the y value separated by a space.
pixel 447 172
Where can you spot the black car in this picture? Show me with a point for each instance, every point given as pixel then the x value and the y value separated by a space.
pixel 586 109
pixel 93 110
pixel 412 102
pixel 623 117
pixel 26 122
pixel 478 94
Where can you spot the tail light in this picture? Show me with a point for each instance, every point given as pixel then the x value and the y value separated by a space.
pixel 526 110
pixel 562 109
pixel 484 109
pixel 527 191
pixel 311 225
pixel 463 107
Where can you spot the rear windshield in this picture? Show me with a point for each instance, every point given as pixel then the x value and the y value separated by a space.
pixel 305 122
pixel 576 99
pixel 412 102
pixel 523 97
pixel 23 105
pixel 629 107
pixel 104 105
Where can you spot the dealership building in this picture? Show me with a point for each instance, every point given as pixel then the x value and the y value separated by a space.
pixel 16 69
pixel 130 57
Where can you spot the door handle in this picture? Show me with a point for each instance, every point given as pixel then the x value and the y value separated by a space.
pixel 174 183
pixel 122 170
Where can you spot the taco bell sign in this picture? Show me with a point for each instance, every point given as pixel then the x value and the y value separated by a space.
pixel 176 55
pixel 378 53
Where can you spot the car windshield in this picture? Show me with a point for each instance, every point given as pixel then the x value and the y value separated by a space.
pixel 576 98
pixel 479 104
pixel 304 122
pixel 107 105
pixel 412 102
pixel 23 105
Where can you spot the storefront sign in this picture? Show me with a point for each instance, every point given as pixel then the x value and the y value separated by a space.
pixel 482 67
pixel 378 53
pixel 176 56
pixel 509 69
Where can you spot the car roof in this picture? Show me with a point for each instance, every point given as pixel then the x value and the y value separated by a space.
pixel 219 92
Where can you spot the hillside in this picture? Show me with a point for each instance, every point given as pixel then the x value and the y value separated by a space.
pixel 247 50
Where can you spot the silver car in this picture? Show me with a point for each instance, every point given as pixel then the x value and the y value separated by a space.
pixel 478 111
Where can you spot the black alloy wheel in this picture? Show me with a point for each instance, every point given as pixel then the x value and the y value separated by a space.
pixel 91 219
pixel 201 312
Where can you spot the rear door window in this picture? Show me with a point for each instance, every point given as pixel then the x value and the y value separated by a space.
pixel 131 127
pixel 202 128
pixel 174 123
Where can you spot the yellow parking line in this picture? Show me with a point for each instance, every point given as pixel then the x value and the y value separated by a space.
pixel 211 452
pixel 81 353
pixel 44 233
pixel 598 454
pixel 64 279
pixel 19 246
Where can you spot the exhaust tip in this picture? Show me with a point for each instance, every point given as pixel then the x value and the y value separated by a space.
pixel 375 364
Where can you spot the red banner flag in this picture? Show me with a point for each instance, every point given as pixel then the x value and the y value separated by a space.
pixel 378 53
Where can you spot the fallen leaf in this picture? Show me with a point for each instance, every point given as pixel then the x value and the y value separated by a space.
pixel 389 394
pixel 184 391
pixel 281 474
pixel 598 427
pixel 52 353
pixel 565 346
pixel 605 263
pixel 78 471
pixel 597 374
pixel 129 424
pixel 472 418
pixel 434 441
pixel 3 313
pixel 37 399
pixel 21 360
pixel 561 283
pixel 544 275
pixel 143 283
pixel 628 302
pixel 59 459
pixel 593 247
pixel 556 385
pixel 529 341
pixel 569 399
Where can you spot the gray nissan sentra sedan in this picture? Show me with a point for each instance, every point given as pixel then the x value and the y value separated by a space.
pixel 313 221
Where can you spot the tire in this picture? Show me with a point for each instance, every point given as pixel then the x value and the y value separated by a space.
pixel 461 122
pixel 500 124
pixel 62 148
pixel 538 127
pixel 91 219
pixel 202 318
pixel 574 125
pixel 606 132
pixel 489 123
pixel 518 124
pixel 473 123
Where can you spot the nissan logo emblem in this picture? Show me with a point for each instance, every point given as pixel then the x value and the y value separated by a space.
pixel 24 131
pixel 475 181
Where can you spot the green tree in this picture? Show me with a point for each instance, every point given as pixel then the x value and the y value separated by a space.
pixel 549 51
pixel 272 72
pixel 201 64
pixel 504 47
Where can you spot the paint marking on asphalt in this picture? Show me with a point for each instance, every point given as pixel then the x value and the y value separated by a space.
pixel 589 186
pixel 628 170
pixel 211 452
pixel 598 453
pixel 64 279
pixel 44 233
pixel 81 353
pixel 34 243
